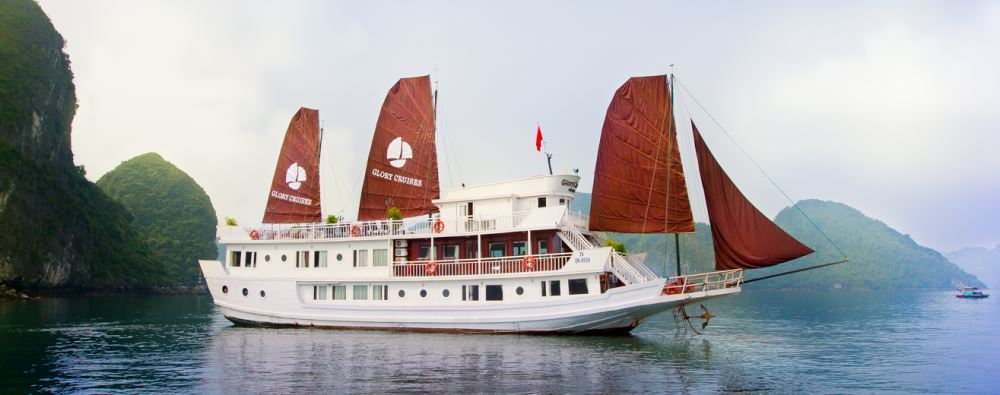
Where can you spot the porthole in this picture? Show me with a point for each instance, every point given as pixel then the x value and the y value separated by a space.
pixel 262 293
pixel 446 293
pixel 519 290
pixel 267 258
pixel 402 293
pixel 340 257
pixel 225 289
pixel 284 258
pixel 246 292
pixel 423 293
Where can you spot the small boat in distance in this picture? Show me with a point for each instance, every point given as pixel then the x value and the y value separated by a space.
pixel 971 293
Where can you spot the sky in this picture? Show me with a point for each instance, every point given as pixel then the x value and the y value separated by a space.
pixel 889 107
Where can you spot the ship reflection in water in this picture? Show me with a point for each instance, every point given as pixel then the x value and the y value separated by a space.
pixel 784 342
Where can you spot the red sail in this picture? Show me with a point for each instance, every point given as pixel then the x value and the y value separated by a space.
pixel 402 164
pixel 742 235
pixel 294 195
pixel 639 180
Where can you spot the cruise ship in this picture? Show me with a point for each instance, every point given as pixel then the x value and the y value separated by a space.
pixel 506 257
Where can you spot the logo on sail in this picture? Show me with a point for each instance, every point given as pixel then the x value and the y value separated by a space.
pixel 399 151
pixel 295 176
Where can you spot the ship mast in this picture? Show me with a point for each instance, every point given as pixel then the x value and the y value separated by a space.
pixel 677 236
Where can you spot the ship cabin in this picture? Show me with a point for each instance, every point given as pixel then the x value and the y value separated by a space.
pixel 514 229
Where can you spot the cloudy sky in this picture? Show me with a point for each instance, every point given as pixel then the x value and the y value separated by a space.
pixel 890 107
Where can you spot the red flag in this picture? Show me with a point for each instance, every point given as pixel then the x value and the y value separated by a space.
pixel 538 139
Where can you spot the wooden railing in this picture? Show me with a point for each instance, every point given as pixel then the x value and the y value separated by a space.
pixel 703 282
pixel 472 267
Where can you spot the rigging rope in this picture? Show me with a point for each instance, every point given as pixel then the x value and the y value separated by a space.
pixel 795 271
pixel 775 184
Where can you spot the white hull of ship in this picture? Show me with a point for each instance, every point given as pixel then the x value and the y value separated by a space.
pixel 619 310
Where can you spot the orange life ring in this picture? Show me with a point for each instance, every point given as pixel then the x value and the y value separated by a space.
pixel 355 231
pixel 430 268
pixel 254 234
pixel 528 262
pixel 438 226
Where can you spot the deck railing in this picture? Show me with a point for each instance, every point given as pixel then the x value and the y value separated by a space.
pixel 412 226
pixel 703 282
pixel 471 267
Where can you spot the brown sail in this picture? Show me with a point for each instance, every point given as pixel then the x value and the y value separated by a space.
pixel 402 164
pixel 743 237
pixel 294 195
pixel 639 180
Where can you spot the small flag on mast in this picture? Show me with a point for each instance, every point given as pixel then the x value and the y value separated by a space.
pixel 538 139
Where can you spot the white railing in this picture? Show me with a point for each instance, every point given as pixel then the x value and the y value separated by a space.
pixel 361 229
pixel 629 270
pixel 703 282
pixel 474 266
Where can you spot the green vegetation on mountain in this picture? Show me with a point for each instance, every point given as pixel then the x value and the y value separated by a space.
pixel 881 257
pixel 57 230
pixel 172 214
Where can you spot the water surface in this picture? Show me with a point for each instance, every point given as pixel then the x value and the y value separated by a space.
pixel 825 342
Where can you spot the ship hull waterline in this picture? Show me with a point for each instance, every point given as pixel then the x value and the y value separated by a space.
pixel 615 313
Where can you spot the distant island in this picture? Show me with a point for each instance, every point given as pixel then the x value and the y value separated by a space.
pixel 172 214
pixel 881 257
pixel 980 261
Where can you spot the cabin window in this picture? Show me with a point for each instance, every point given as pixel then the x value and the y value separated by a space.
pixel 360 258
pixel 402 293
pixel 562 202
pixel 577 286
pixel 554 288
pixel 498 249
pixel 380 257
pixel 319 292
pixel 446 293
pixel 234 258
pixel 247 258
pixel 545 288
pixel 470 292
pixel 425 252
pixel 360 292
pixel 494 292
pixel 340 257
pixel 302 259
pixel 319 259
pixel 267 258
pixel 541 202
pixel 380 292
pixel 471 249
pixel 519 290
pixel 449 251
pixel 339 292
pixel 423 293
pixel 543 247
pixel 520 248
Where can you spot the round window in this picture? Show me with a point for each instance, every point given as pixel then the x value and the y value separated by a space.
pixel 284 258
pixel 267 258
pixel 402 293
pixel 246 292
pixel 340 257
pixel 225 289
pixel 519 290
pixel 423 293
pixel 446 293
pixel 262 293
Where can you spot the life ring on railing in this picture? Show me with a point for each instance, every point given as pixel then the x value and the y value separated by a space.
pixel 438 226
pixel 430 268
pixel 254 234
pixel 355 231
pixel 528 262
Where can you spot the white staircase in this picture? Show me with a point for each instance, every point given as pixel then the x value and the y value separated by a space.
pixel 626 268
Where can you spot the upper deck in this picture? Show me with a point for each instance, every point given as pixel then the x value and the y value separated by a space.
pixel 531 204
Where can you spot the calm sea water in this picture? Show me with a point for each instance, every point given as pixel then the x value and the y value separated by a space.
pixel 819 342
